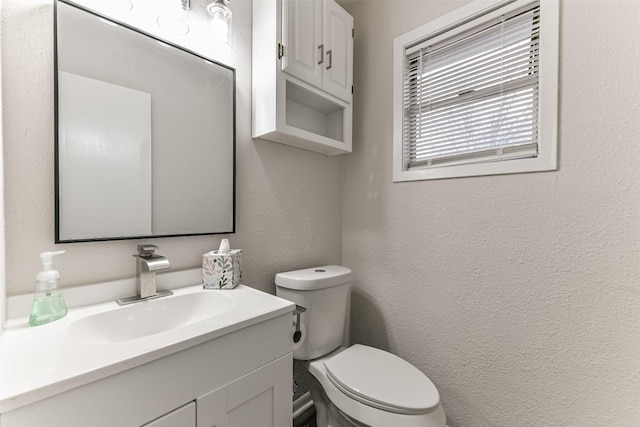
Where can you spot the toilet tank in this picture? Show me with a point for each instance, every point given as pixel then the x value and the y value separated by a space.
pixel 324 292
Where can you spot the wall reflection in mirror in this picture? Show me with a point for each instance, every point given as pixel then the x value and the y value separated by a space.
pixel 145 143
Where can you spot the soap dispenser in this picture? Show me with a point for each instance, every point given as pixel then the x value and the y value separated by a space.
pixel 48 303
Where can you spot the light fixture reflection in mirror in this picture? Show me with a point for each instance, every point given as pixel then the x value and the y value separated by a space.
pixel 172 24
pixel 174 17
pixel 203 26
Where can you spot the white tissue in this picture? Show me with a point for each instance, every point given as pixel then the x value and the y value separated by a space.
pixel 224 246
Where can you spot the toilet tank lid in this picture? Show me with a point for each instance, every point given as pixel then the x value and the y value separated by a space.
pixel 314 278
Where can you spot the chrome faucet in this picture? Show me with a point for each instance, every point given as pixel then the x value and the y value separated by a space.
pixel 147 264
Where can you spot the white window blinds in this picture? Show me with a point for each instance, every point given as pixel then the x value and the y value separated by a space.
pixel 471 95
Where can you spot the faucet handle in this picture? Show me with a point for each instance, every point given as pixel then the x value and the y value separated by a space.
pixel 146 250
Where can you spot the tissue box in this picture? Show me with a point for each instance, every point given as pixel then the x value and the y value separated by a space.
pixel 222 271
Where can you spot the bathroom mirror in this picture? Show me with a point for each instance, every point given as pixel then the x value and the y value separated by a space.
pixel 145 134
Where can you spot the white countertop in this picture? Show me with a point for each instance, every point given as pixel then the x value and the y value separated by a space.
pixel 39 362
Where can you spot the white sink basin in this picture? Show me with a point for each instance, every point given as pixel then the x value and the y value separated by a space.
pixel 151 317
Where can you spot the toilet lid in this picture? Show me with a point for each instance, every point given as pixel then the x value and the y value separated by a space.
pixel 382 380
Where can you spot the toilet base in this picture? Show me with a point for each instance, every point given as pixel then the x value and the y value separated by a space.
pixel 327 414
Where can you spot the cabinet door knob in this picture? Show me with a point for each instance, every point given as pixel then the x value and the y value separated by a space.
pixel 321 47
pixel 329 55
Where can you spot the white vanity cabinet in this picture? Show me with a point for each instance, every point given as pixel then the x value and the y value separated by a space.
pixel 241 379
pixel 303 74
pixel 258 398
pixel 181 417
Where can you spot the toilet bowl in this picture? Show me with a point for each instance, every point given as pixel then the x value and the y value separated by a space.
pixel 371 387
pixel 359 385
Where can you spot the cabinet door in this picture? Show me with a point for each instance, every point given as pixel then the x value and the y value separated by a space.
pixel 302 38
pixel 184 416
pixel 212 409
pixel 262 398
pixel 338 39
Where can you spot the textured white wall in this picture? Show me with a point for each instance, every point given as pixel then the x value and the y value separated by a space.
pixel 518 295
pixel 288 200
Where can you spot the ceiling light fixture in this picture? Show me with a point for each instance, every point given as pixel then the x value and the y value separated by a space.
pixel 220 21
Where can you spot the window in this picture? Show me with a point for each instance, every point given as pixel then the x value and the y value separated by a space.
pixel 475 92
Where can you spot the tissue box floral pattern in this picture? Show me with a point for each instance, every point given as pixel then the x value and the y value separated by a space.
pixel 222 271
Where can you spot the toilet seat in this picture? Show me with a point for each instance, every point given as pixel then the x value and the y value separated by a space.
pixel 382 380
pixel 360 409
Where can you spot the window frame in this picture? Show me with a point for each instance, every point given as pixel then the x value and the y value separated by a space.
pixel 470 15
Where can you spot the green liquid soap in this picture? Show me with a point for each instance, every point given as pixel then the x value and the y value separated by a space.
pixel 47 309
pixel 48 304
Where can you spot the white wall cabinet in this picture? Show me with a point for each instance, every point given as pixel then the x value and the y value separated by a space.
pixel 318 45
pixel 303 50
pixel 338 40
pixel 303 74
pixel 237 380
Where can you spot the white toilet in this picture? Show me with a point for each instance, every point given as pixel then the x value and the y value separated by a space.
pixel 360 385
